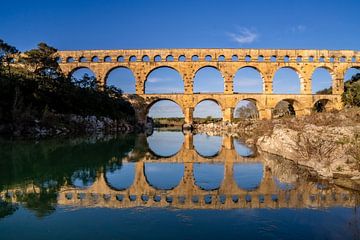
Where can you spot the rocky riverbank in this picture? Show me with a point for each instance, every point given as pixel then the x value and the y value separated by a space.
pixel 324 144
pixel 63 125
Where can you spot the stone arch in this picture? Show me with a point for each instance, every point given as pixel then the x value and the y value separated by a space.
pixel 164 176
pixel 323 87
pixel 70 74
pixel 122 178
pixel 323 105
pixel 283 83
pixel 208 70
pixel 70 59
pixel 293 109
pixel 246 68
pixel 179 74
pixel 152 103
pixel 122 72
pixel 253 111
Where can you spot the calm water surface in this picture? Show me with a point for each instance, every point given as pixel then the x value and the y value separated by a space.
pixel 164 186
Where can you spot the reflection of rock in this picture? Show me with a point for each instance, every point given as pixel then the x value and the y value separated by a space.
pixel 322 149
pixel 284 170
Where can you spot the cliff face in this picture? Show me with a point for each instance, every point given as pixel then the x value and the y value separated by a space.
pixel 323 149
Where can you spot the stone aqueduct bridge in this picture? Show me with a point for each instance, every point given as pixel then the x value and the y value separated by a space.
pixel 189 195
pixel 228 61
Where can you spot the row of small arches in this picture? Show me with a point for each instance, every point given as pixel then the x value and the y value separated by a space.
pixel 209 58
pixel 209 198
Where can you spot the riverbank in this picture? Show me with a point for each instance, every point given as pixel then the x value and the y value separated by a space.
pixel 60 125
pixel 325 143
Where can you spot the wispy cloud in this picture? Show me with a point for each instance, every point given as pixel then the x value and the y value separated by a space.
pixel 299 28
pixel 244 35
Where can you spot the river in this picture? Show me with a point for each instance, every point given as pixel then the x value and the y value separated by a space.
pixel 168 185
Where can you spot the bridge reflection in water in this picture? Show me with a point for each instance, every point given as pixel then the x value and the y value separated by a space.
pixel 189 180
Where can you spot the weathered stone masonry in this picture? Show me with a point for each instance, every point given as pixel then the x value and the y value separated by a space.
pixel 228 61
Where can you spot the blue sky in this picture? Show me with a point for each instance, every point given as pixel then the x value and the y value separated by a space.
pixel 73 25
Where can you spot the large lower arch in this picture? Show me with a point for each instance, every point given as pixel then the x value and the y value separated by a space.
pixel 208 176
pixel 287 80
pixel 207 110
pixel 164 176
pixel 285 107
pixel 323 105
pixel 321 81
pixel 208 79
pixel 165 111
pixel 121 178
pixel 164 79
pixel 246 109
pixel 121 78
pixel 248 80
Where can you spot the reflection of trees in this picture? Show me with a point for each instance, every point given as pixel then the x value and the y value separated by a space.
pixel 42 203
pixel 49 165
pixel 7 208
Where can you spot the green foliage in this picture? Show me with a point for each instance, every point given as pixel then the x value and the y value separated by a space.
pixel 7 53
pixel 351 95
pixel 39 88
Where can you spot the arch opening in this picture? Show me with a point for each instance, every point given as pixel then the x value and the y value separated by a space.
pixel 83 178
pixel 351 86
pixel 242 149
pixel 164 80
pixel 208 79
pixel 122 177
pixel 83 77
pixel 166 113
pixel 208 176
pixel 207 146
pixel 286 81
pixel 121 78
pixel 321 81
pixel 164 176
pixel 322 105
pixel 165 143
pixel 248 176
pixel 246 109
pixel 284 108
pixel 207 111
pixel 248 80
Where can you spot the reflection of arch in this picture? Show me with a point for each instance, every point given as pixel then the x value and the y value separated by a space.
pixel 208 180
pixel 238 79
pixel 162 139
pixel 248 176
pixel 278 81
pixel 199 140
pixel 155 177
pixel 108 180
